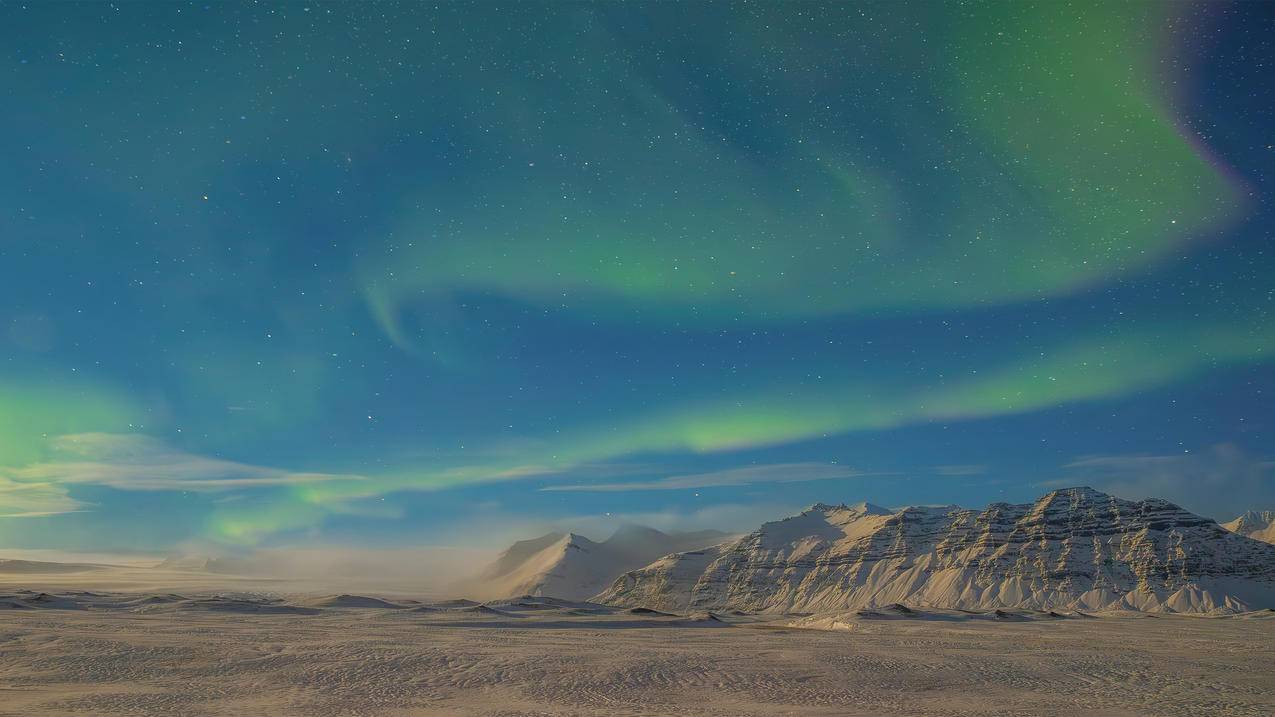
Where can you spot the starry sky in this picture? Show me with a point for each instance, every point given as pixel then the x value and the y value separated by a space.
pixel 379 274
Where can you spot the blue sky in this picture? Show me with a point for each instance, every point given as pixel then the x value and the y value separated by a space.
pixel 278 274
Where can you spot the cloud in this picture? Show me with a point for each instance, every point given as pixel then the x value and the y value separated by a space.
pixel 1220 482
pixel 33 500
pixel 1080 369
pixel 747 475
pixel 135 462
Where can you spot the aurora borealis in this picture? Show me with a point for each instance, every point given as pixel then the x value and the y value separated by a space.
pixel 276 273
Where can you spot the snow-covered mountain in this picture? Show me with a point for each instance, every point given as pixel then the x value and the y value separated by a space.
pixel 1259 525
pixel 570 566
pixel 1071 549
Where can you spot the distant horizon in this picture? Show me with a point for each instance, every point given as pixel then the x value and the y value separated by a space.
pixel 493 544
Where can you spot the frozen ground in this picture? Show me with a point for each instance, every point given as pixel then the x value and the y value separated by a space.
pixel 132 654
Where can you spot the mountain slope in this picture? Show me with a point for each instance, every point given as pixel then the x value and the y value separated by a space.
pixel 572 567
pixel 1071 549
pixel 1258 525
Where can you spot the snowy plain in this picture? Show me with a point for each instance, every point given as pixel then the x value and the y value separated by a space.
pixel 80 653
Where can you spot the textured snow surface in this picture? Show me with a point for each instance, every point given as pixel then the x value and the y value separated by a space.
pixel 95 654
pixel 1074 549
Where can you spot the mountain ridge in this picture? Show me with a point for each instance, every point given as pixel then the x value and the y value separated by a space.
pixel 1071 549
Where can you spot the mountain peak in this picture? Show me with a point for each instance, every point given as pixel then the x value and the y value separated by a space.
pixel 1256 524
pixel 633 531
pixel 577 540
pixel 1262 517
pixel 570 565
pixel 1073 549
pixel 1079 491
pixel 861 507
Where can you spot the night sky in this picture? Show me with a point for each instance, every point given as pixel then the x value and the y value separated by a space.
pixel 287 274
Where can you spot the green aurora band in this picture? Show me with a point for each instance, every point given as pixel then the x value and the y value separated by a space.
pixel 1055 164
pixel 1044 159
pixel 1091 369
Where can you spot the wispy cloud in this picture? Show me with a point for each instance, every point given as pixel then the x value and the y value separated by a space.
pixel 34 500
pixel 128 462
pixel 496 528
pixel 1220 482
pixel 747 475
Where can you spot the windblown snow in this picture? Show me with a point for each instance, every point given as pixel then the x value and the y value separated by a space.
pixel 841 610
pixel 570 566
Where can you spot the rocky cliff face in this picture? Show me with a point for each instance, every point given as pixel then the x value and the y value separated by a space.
pixel 1256 524
pixel 1071 549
